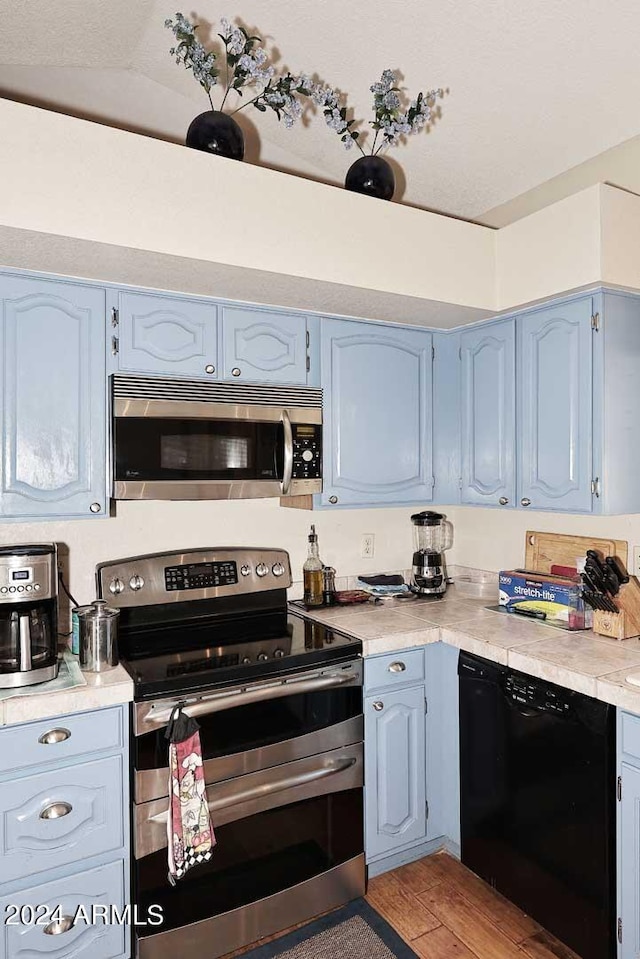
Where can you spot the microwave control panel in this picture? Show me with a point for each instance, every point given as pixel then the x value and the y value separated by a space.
pixel 307 451
pixel 200 575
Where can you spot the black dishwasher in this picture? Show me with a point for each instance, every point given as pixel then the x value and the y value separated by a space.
pixel 537 787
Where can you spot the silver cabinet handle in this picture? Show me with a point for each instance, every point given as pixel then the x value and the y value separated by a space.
pixel 329 768
pixel 525 501
pixel 287 470
pixel 397 667
pixel 56 810
pixel 53 736
pixel 209 368
pixel 333 499
pixel 378 706
pixel 57 926
pixel 235 371
pixel 95 507
pixel 503 500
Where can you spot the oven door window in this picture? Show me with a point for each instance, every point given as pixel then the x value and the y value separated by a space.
pixel 151 449
pixel 255 725
pixel 256 857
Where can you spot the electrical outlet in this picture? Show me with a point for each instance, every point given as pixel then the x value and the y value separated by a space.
pixel 367 545
pixel 636 561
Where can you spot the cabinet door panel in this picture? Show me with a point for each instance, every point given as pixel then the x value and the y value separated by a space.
pixel 161 334
pixel 629 865
pixel 263 346
pixel 53 382
pixel 488 415
pixel 395 789
pixel 555 416
pixel 378 414
pixel 89 889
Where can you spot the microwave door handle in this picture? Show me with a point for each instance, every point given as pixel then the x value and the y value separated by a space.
pixel 25 644
pixel 287 471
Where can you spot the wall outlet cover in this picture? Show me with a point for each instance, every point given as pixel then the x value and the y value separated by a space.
pixel 367 545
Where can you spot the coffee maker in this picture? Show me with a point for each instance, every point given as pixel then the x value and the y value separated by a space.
pixel 28 615
pixel 433 534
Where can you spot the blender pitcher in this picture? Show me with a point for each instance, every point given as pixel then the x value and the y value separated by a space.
pixel 433 535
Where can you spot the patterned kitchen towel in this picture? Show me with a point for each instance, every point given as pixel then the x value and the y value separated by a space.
pixel 189 831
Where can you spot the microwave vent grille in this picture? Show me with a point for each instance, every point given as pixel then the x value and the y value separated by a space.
pixel 157 388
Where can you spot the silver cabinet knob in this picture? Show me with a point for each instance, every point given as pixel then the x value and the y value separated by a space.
pixel 95 508
pixel 333 499
pixel 525 501
pixel 56 810
pixel 53 736
pixel 503 500
pixel 209 368
pixel 378 706
pixel 261 569
pixel 57 926
pixel 116 586
pixel 235 371
pixel 397 667
pixel 136 582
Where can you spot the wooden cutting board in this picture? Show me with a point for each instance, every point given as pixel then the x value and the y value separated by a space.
pixel 544 550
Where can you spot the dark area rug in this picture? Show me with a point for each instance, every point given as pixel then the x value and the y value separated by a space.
pixel 355 931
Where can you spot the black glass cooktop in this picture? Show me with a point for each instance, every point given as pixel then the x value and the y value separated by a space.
pixel 288 644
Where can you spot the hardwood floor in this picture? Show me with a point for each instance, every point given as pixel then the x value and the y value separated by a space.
pixel 443 911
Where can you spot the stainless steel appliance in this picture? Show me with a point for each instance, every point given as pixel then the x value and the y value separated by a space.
pixel 432 535
pixel 98 640
pixel 177 439
pixel 537 787
pixel 279 703
pixel 28 615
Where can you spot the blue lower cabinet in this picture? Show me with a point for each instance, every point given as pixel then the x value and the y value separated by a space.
pixel 395 755
pixel 57 918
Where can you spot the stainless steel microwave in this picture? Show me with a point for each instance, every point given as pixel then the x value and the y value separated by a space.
pixel 185 440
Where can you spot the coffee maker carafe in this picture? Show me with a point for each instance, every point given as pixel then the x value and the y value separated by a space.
pixel 28 615
pixel 433 534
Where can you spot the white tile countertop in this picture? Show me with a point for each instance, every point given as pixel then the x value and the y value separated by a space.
pixel 581 660
pixel 110 688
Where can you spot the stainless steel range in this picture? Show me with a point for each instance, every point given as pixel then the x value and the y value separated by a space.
pixel 279 702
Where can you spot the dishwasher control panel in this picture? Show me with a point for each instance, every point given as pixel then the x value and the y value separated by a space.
pixel 528 693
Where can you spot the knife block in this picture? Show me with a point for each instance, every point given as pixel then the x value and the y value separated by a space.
pixel 626 623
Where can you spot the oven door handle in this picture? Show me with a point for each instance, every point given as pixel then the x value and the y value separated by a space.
pixel 215 704
pixel 287 470
pixel 251 793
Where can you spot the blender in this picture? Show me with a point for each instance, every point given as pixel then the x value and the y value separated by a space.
pixel 433 534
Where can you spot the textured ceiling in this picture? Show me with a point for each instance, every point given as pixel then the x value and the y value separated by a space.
pixel 532 89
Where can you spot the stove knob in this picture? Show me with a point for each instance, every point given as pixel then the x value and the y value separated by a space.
pixel 262 657
pixel 277 569
pixel 136 582
pixel 261 569
pixel 245 570
pixel 246 660
pixel 116 586
pixel 278 653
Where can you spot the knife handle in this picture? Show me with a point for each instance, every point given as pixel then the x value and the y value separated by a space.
pixel 618 569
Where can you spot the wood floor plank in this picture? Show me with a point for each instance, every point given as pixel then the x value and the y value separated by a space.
pixel 422 874
pixel 543 945
pixel 472 927
pixel 441 943
pixel 409 917
pixel 512 921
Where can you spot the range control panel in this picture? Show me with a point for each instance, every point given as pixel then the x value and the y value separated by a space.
pixel 200 575
pixel 307 451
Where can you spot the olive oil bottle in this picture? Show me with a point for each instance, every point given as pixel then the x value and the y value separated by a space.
pixel 313 579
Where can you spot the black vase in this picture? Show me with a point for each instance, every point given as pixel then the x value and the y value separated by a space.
pixel 216 132
pixel 372 176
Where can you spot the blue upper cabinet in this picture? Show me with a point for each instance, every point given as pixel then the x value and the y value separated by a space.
pixel 555 407
pixel 488 414
pixel 53 407
pixel 262 346
pixel 377 384
pixel 167 335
